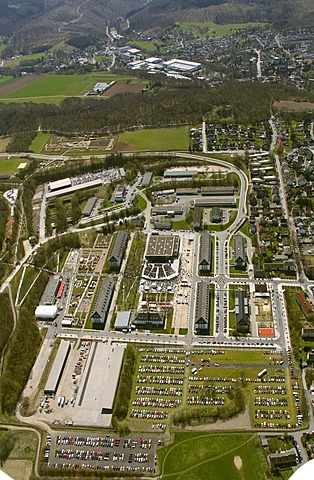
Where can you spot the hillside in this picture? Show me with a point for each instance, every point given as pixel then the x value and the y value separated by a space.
pixel 281 13
pixel 32 22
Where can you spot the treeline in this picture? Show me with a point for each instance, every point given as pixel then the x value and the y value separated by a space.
pixel 125 386
pixel 211 414
pixel 4 214
pixel 6 320
pixel 248 102
pixel 22 350
pixel 20 142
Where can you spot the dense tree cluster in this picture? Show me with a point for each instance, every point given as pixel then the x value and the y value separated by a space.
pixel 6 320
pixel 248 102
pixel 4 214
pixel 210 414
pixel 125 385
pixel 22 350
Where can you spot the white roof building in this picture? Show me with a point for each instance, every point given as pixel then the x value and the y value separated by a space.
pixel 46 312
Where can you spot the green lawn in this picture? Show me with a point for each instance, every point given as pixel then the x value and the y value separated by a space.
pixel 39 142
pixel 211 29
pixel 9 165
pixel 211 457
pixel 159 139
pixel 54 88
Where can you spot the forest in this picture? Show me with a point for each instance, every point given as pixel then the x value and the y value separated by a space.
pixel 247 102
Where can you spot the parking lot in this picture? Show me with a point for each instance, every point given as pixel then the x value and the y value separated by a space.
pixel 134 453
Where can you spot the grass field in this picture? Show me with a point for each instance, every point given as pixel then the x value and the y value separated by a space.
pixel 55 88
pixel 211 29
pixel 39 142
pixel 212 457
pixel 159 139
pixel 8 166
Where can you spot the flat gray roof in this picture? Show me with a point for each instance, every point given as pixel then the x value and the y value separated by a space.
pixel 122 320
pixel 89 205
pixel 57 368
pixel 218 201
pixel 49 295
pixel 99 382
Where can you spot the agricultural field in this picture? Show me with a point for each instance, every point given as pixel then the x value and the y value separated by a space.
pixel 211 29
pixel 8 166
pixel 54 88
pixel 202 456
pixel 159 139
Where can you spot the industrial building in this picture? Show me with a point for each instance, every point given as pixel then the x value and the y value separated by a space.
pixel 202 306
pixel 181 192
pixel 57 368
pixel 162 248
pixel 242 318
pixel 205 253
pixel 146 179
pixel 217 201
pixel 149 320
pixel 118 194
pixel 96 394
pixel 122 320
pixel 216 215
pixel 170 210
pixel 46 312
pixel 49 296
pixel 73 188
pixel 173 173
pixel 102 304
pixel 239 252
pixel 162 225
pixel 59 184
pixel 197 221
pixel 214 191
pixel 89 206
pixel 118 249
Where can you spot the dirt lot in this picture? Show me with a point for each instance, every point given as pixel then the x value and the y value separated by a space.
pixel 294 106
pixel 18 84
pixel 18 469
pixel 124 87
pixel 123 146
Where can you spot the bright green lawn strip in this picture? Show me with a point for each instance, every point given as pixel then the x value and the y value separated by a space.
pixel 239 356
pixel 141 202
pixel 158 139
pixel 9 166
pixel 29 277
pixel 201 456
pixel 144 45
pixel 39 142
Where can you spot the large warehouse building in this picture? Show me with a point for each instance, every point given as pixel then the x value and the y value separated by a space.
pixel 162 248
pixel 96 394
pixel 57 368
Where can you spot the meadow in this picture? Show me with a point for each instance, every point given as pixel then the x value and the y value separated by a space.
pixel 158 139
pixel 211 456
pixel 8 166
pixel 211 29
pixel 39 142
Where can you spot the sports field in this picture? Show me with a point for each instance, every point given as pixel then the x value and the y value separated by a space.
pixel 158 139
pixel 53 88
pixel 39 142
pixel 9 166
pixel 214 456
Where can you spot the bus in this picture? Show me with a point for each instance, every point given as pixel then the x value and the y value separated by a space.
pixel 262 373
